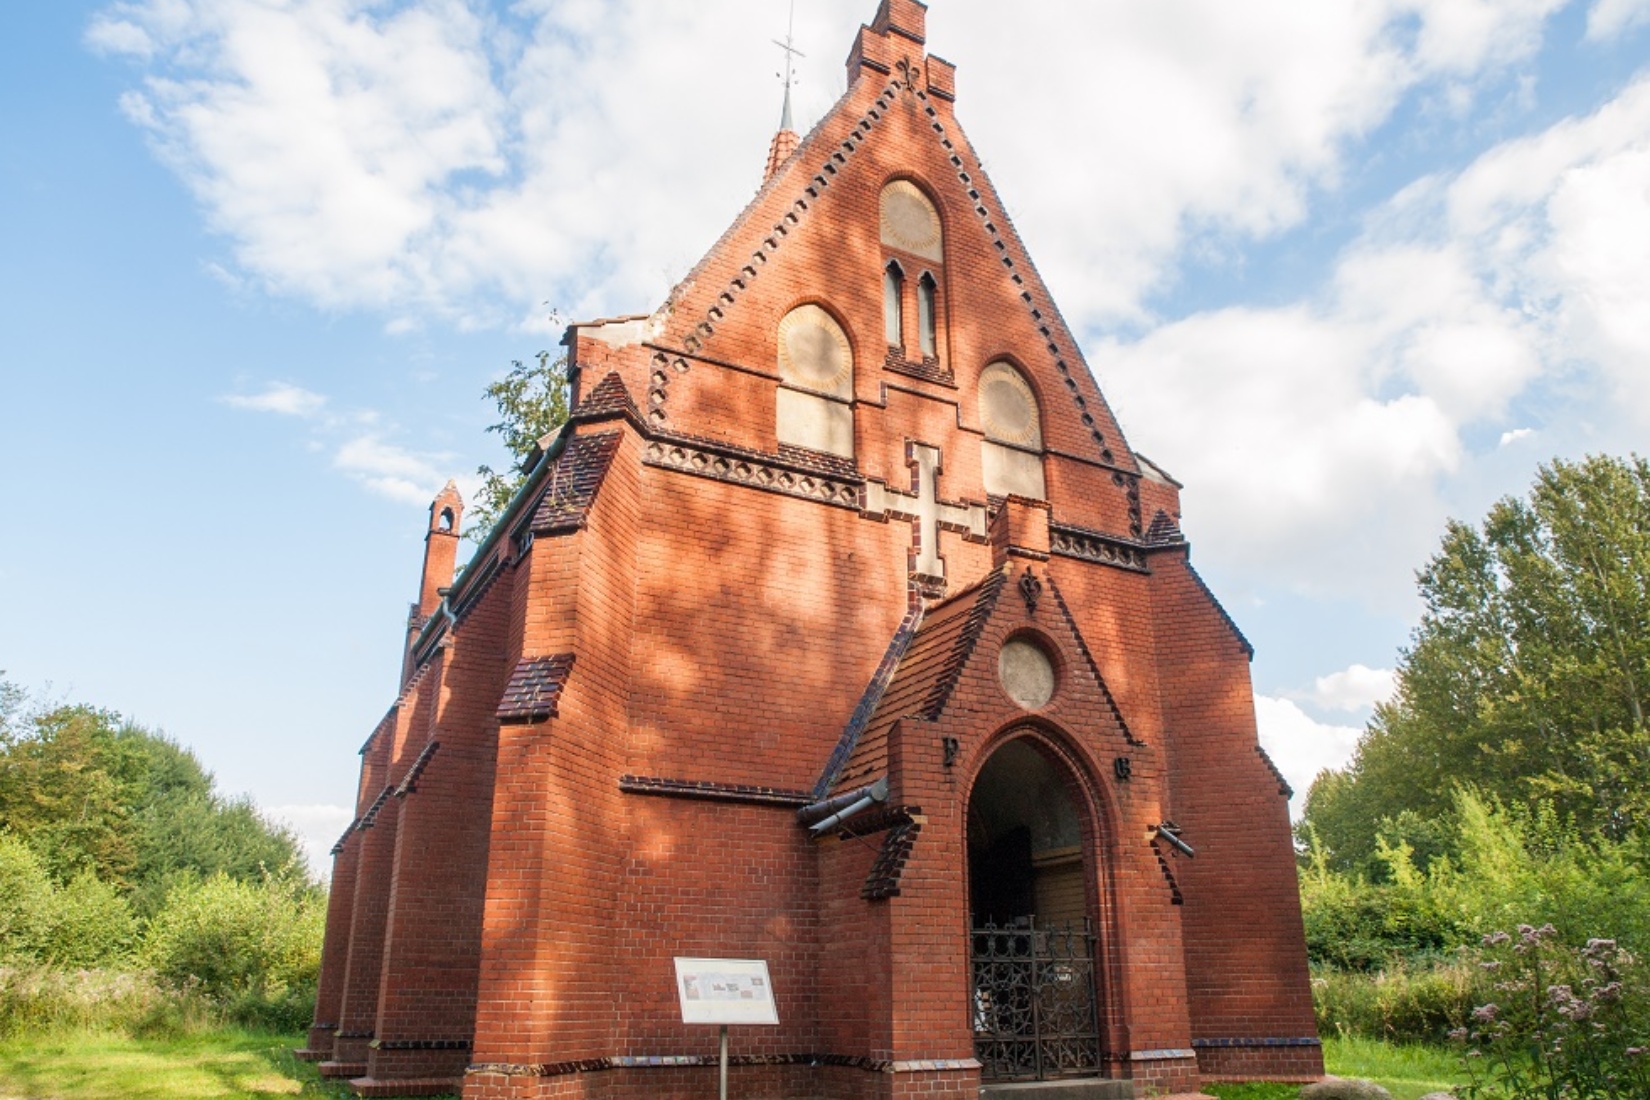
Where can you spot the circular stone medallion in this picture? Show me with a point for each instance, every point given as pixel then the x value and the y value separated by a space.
pixel 1026 673
pixel 909 220
pixel 814 352
pixel 1008 408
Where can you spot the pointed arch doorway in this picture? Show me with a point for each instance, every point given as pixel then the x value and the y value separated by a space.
pixel 1032 940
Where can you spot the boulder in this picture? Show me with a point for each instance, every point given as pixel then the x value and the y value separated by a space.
pixel 1344 1088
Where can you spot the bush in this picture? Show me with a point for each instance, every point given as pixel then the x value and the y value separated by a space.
pixel 25 901
pixel 1400 1004
pixel 89 924
pixel 1511 865
pixel 1355 924
pixel 255 949
pixel 1563 1022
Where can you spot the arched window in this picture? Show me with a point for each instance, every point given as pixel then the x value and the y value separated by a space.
pixel 814 405
pixel 925 316
pixel 893 305
pixel 913 239
pixel 1012 457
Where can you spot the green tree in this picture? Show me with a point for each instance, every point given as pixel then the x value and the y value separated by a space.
pixel 89 792
pixel 532 402
pixel 1527 679
pixel 61 792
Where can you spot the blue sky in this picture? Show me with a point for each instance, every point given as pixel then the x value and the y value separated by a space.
pixel 1345 268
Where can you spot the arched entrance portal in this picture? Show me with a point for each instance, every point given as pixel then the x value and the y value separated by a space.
pixel 1032 941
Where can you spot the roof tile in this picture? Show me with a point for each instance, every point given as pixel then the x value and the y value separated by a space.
pixel 534 689
pixel 572 486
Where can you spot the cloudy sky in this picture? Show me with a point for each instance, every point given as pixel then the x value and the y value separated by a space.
pixel 1345 268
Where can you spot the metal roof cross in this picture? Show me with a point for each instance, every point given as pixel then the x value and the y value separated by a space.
pixel 791 53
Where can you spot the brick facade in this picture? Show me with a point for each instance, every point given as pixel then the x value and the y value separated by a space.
pixel 772 560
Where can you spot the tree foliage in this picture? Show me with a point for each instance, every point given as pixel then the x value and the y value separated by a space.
pixel 116 854
pixel 532 402
pixel 89 793
pixel 1527 679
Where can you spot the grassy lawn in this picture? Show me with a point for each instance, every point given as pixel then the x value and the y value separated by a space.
pixel 227 1064
pixel 1408 1072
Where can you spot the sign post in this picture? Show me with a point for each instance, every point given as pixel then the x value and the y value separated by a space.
pixel 725 991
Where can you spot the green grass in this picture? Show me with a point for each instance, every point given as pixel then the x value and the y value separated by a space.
pixel 1408 1072
pixel 1253 1091
pixel 219 1065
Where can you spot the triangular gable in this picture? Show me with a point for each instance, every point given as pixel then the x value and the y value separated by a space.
pixel 939 656
pixel 927 673
pixel 895 120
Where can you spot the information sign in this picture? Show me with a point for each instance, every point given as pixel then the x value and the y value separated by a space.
pixel 725 991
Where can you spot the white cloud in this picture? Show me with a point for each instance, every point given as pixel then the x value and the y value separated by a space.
pixel 1460 36
pixel 1355 688
pixel 391 470
pixel 1276 421
pixel 1317 437
pixel 318 828
pixel 1300 746
pixel 437 155
pixel 1611 17
pixel 108 35
pixel 279 397
pixel 359 443
pixel 1516 435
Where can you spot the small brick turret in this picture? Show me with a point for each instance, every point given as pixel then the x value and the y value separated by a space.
pixel 440 547
pixel 440 558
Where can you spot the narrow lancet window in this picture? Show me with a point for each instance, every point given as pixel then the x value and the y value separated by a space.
pixel 925 316
pixel 893 300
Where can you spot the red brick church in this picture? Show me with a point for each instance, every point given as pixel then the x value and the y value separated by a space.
pixel 840 628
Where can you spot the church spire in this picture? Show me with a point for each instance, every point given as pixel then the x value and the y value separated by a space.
pixel 785 141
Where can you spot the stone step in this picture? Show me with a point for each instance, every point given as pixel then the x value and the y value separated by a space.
pixel 1073 1088
pixel 419 1086
pixel 342 1069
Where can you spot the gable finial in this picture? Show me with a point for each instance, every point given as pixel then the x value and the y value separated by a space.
pixel 789 75
pixel 785 140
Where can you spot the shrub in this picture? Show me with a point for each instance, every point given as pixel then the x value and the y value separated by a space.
pixel 25 901
pixel 1355 924
pixel 254 948
pixel 1400 1004
pixel 1564 1022
pixel 89 924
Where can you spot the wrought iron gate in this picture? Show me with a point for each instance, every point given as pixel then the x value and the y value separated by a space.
pixel 1034 1007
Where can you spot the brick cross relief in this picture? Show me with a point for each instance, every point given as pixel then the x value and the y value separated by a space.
pixel 926 512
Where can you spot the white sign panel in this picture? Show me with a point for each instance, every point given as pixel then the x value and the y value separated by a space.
pixel 725 991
